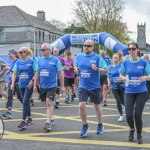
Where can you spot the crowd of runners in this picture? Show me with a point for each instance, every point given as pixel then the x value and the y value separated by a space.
pixel 93 75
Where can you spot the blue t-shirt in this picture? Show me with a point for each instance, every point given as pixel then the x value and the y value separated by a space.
pixel 88 78
pixel 114 75
pixel 48 68
pixel 108 60
pixel 12 64
pixel 25 70
pixel 135 69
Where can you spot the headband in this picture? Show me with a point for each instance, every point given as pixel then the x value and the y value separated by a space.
pixel 12 51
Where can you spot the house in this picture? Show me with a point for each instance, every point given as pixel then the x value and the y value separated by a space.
pixel 19 29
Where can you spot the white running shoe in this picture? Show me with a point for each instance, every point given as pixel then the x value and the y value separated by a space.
pixel 120 119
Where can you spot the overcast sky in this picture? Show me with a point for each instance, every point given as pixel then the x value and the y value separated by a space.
pixel 136 11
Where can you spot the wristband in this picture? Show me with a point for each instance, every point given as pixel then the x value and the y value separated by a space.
pixel 97 69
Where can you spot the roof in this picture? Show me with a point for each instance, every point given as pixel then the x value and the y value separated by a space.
pixel 14 16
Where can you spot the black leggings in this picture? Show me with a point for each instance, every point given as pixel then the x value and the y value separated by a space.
pixel 134 105
pixel 119 97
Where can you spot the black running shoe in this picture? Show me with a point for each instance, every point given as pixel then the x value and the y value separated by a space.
pixel 131 135
pixel 139 139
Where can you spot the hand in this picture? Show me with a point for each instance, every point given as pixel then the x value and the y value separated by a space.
pixel 30 85
pixel 35 88
pixel 143 78
pixel 94 67
pixel 12 87
pixel 76 70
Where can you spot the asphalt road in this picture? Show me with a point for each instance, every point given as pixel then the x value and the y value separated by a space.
pixel 65 132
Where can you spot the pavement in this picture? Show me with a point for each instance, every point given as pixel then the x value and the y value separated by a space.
pixel 65 132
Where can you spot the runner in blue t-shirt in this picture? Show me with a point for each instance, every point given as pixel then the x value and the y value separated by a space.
pixel 13 55
pixel 132 72
pixel 116 84
pixel 25 67
pixel 48 68
pixel 89 65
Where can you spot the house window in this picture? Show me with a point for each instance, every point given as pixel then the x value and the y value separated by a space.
pixel 43 37
pixel 50 38
pixel 1 34
pixel 39 36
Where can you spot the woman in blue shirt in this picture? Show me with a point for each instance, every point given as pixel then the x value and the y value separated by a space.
pixel 132 70
pixel 116 84
pixel 25 67
pixel 13 55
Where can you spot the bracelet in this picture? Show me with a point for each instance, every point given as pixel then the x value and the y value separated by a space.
pixel 97 69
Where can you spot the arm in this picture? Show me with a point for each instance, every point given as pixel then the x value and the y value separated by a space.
pixel 13 80
pixel 61 77
pixel 36 79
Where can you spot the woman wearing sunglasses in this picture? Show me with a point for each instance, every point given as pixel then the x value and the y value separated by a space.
pixel 26 68
pixel 132 72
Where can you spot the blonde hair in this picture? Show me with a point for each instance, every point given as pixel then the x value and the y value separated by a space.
pixel 27 50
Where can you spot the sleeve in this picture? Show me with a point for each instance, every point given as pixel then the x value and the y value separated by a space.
pixel 59 66
pixel 75 62
pixel 147 69
pixel 102 63
pixel 35 66
pixel 15 69
pixel 122 69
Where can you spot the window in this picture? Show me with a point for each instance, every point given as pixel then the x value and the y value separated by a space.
pixel 39 36
pixel 43 37
pixel 1 34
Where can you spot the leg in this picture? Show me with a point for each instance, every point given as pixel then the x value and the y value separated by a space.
pixel 118 100
pixel 139 106
pixel 82 112
pixel 129 108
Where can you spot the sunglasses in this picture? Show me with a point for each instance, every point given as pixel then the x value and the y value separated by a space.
pixel 20 52
pixel 133 49
pixel 88 46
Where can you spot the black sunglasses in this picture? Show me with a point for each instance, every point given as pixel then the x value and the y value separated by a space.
pixel 21 52
pixel 133 49
pixel 88 46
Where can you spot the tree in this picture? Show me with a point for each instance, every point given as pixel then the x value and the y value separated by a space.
pixel 102 16
pixel 75 29
pixel 60 25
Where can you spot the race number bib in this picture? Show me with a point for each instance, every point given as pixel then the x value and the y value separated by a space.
pixel 44 73
pixel 24 76
pixel 85 75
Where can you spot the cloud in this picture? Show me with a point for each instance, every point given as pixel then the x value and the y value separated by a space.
pixel 140 6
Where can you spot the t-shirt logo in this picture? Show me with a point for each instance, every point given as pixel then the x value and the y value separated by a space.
pixel 140 67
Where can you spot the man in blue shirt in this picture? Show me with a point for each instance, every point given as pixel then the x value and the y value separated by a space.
pixel 48 68
pixel 89 65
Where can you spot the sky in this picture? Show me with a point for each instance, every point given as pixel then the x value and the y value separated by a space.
pixel 136 11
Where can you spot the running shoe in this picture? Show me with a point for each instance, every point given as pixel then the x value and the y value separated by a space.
pixel 131 135
pixel 67 100
pixel 104 104
pixel 22 125
pixel 139 139
pixel 29 121
pixel 120 119
pixel 7 115
pixel 85 130
pixel 56 105
pixel 100 129
pixel 72 98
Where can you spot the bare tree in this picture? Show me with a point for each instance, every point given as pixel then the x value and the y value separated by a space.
pixel 102 15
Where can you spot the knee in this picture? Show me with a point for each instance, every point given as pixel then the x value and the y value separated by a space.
pixel 97 107
pixel 81 106
pixel 49 103
pixel 129 117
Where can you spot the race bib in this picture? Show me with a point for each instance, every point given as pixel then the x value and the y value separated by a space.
pixel 24 76
pixel 44 73
pixel 85 75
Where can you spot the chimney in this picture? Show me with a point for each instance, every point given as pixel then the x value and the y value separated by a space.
pixel 41 14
